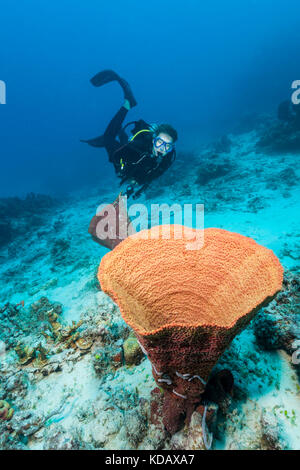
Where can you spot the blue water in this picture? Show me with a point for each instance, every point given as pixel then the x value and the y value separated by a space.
pixel 198 65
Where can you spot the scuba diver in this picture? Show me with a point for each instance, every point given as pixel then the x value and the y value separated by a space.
pixel 143 157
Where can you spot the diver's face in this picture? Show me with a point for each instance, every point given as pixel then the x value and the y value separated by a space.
pixel 162 144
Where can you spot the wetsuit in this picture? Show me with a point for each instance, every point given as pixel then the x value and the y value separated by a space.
pixel 134 160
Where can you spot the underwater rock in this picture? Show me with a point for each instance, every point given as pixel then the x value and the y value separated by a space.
pixel 219 389
pixel 209 171
pixel 58 224
pixel 197 435
pixel 223 145
pixel 279 137
pixel 277 327
pixel 132 351
pixel 13 384
pixel 9 442
pixel 15 321
pixel 269 335
pixel 60 439
pixel 156 407
pixel 286 177
pixel 106 425
pixel 271 432
pixel 26 423
pixel 121 398
pixel 107 359
pixel 157 434
pixel 255 204
pixel 185 190
pixel 284 111
pixel 290 113
pixel 182 334
pixel 135 425
pixel 59 252
pixel 41 308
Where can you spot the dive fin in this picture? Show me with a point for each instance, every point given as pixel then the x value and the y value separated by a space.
pixel 128 95
pixel 107 76
pixel 96 142
pixel 104 77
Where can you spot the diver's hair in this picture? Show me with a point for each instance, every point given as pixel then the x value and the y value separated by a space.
pixel 167 129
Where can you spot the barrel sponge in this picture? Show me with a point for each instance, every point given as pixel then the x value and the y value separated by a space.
pixel 160 284
pixel 186 305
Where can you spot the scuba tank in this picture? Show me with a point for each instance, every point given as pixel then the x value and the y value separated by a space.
pixel 139 127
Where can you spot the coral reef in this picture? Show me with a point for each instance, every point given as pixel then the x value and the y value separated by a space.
pixel 186 306
pixel 107 358
pixel 91 398
pixel 278 325
pixel 44 355
pixel 25 354
pixel 62 337
pixel 19 321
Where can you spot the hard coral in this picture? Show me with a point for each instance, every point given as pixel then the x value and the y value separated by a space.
pixel 186 306
pixel 6 411
pixel 132 351
pixel 26 354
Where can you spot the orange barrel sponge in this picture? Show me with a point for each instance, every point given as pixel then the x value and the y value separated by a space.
pixel 186 305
